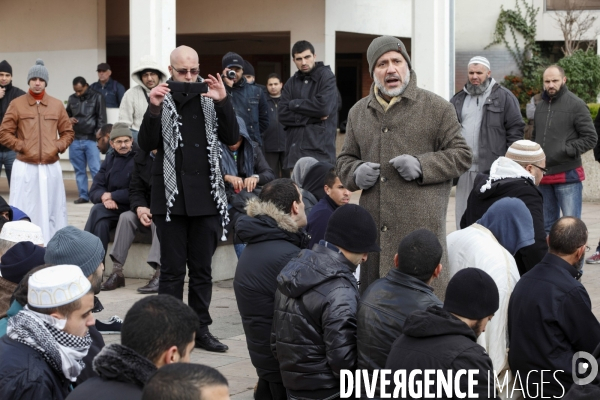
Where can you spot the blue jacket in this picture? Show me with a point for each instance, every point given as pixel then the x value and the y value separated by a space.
pixel 113 92
pixel 250 104
pixel 318 219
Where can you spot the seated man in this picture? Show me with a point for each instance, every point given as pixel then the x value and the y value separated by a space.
pixel 445 338
pixel 15 264
pixel 186 382
pixel 489 245
pixel 110 190
pixel 46 341
pixel 138 218
pixel 335 195
pixel 516 175
pixel 314 323
pixel 386 303
pixel 157 331
pixel 550 314
pixel 273 230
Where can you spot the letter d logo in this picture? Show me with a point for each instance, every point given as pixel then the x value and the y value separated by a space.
pixel 583 367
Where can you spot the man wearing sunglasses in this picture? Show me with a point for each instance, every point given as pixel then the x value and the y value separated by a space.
pixel 188 200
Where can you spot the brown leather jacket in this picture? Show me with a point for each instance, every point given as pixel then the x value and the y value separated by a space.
pixel 31 129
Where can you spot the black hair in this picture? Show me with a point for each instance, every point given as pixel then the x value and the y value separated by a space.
pixel 281 192
pixel 155 71
pixel 419 254
pixel 301 46
pixel 567 235
pixel 80 80
pixel 274 75
pixel 180 381
pixel 156 323
pixel 330 178
pixel 106 130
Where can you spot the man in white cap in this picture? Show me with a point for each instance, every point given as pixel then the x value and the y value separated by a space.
pixel 517 175
pixel 30 128
pixel 490 119
pixel 14 232
pixel 46 341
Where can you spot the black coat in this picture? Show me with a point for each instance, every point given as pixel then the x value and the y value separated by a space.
pixel 522 189
pixel 122 374
pixel 273 239
pixel 12 92
pixel 250 104
pixel 90 111
pixel 597 148
pixel 318 219
pixel 550 319
pixel 384 307
pixel 191 158
pixel 140 186
pixel 114 177
pixel 25 375
pixel 314 324
pixel 435 339
pixel 305 99
pixel 275 136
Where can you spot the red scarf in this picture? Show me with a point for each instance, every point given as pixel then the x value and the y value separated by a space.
pixel 37 97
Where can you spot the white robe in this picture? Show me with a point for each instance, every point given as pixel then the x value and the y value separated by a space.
pixel 476 247
pixel 39 191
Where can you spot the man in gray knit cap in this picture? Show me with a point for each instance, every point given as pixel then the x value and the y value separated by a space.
pixel 403 148
pixel 29 128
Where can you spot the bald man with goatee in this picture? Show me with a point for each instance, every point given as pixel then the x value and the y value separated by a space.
pixel 188 200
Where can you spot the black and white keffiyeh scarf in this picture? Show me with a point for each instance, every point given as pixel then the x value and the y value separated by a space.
pixel 62 351
pixel 171 139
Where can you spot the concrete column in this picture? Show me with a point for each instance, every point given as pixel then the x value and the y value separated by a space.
pixel 328 56
pixel 151 30
pixel 431 44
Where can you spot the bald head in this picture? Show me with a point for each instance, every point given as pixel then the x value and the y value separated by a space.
pixel 567 235
pixel 184 58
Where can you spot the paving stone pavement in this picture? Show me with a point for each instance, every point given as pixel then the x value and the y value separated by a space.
pixel 235 364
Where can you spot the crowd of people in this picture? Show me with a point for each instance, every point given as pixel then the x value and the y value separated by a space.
pixel 322 285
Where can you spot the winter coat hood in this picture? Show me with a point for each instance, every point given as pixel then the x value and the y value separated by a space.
pixel 120 363
pixel 147 62
pixel 436 322
pixel 312 268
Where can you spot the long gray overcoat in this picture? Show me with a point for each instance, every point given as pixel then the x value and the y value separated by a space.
pixel 425 126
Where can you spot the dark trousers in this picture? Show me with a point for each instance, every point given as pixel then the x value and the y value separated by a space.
pixel 266 390
pixel 275 161
pixel 101 220
pixel 192 241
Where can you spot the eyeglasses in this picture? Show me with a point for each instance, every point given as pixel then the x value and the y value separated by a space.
pixel 544 170
pixel 587 249
pixel 184 72
pixel 120 142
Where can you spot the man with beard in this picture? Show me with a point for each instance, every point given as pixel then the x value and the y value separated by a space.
pixel 490 119
pixel 403 148
pixel 444 339
pixel 564 129
pixel 550 314
pixel 8 93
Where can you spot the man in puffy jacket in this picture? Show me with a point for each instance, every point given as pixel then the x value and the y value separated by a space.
pixel 87 113
pixel 273 232
pixel 314 325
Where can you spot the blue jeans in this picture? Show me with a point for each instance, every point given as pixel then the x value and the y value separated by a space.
pixel 565 197
pixel 82 153
pixel 7 158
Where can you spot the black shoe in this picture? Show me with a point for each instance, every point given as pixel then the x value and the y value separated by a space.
pixel 152 286
pixel 210 343
pixel 113 282
pixel 80 201
pixel 110 327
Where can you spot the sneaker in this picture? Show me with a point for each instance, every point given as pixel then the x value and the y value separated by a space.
pixel 594 259
pixel 110 327
pixel 80 201
pixel 210 343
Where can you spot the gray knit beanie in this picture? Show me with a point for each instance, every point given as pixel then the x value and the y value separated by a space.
pixel 76 247
pixel 38 71
pixel 381 45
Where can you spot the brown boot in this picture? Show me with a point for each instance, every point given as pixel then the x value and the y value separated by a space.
pixel 114 281
pixel 152 286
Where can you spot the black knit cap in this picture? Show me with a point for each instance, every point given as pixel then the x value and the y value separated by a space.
pixel 248 69
pixel 20 259
pixel 472 293
pixel 352 228
pixel 232 59
pixel 5 67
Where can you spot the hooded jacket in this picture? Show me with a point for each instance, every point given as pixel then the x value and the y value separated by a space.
pixel 273 239
pixel 135 101
pixel 122 374
pixel 435 339
pixel 314 324
pixel 515 186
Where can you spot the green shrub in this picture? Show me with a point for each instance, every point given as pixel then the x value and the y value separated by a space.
pixel 583 74
pixel 523 89
pixel 594 110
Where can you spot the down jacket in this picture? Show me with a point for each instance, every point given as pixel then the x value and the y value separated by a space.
pixel 314 325
pixel 135 101
pixel 273 239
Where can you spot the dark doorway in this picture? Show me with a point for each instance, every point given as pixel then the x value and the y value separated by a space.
pixel 348 76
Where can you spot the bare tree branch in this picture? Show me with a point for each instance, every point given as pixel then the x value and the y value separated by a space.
pixel 575 22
